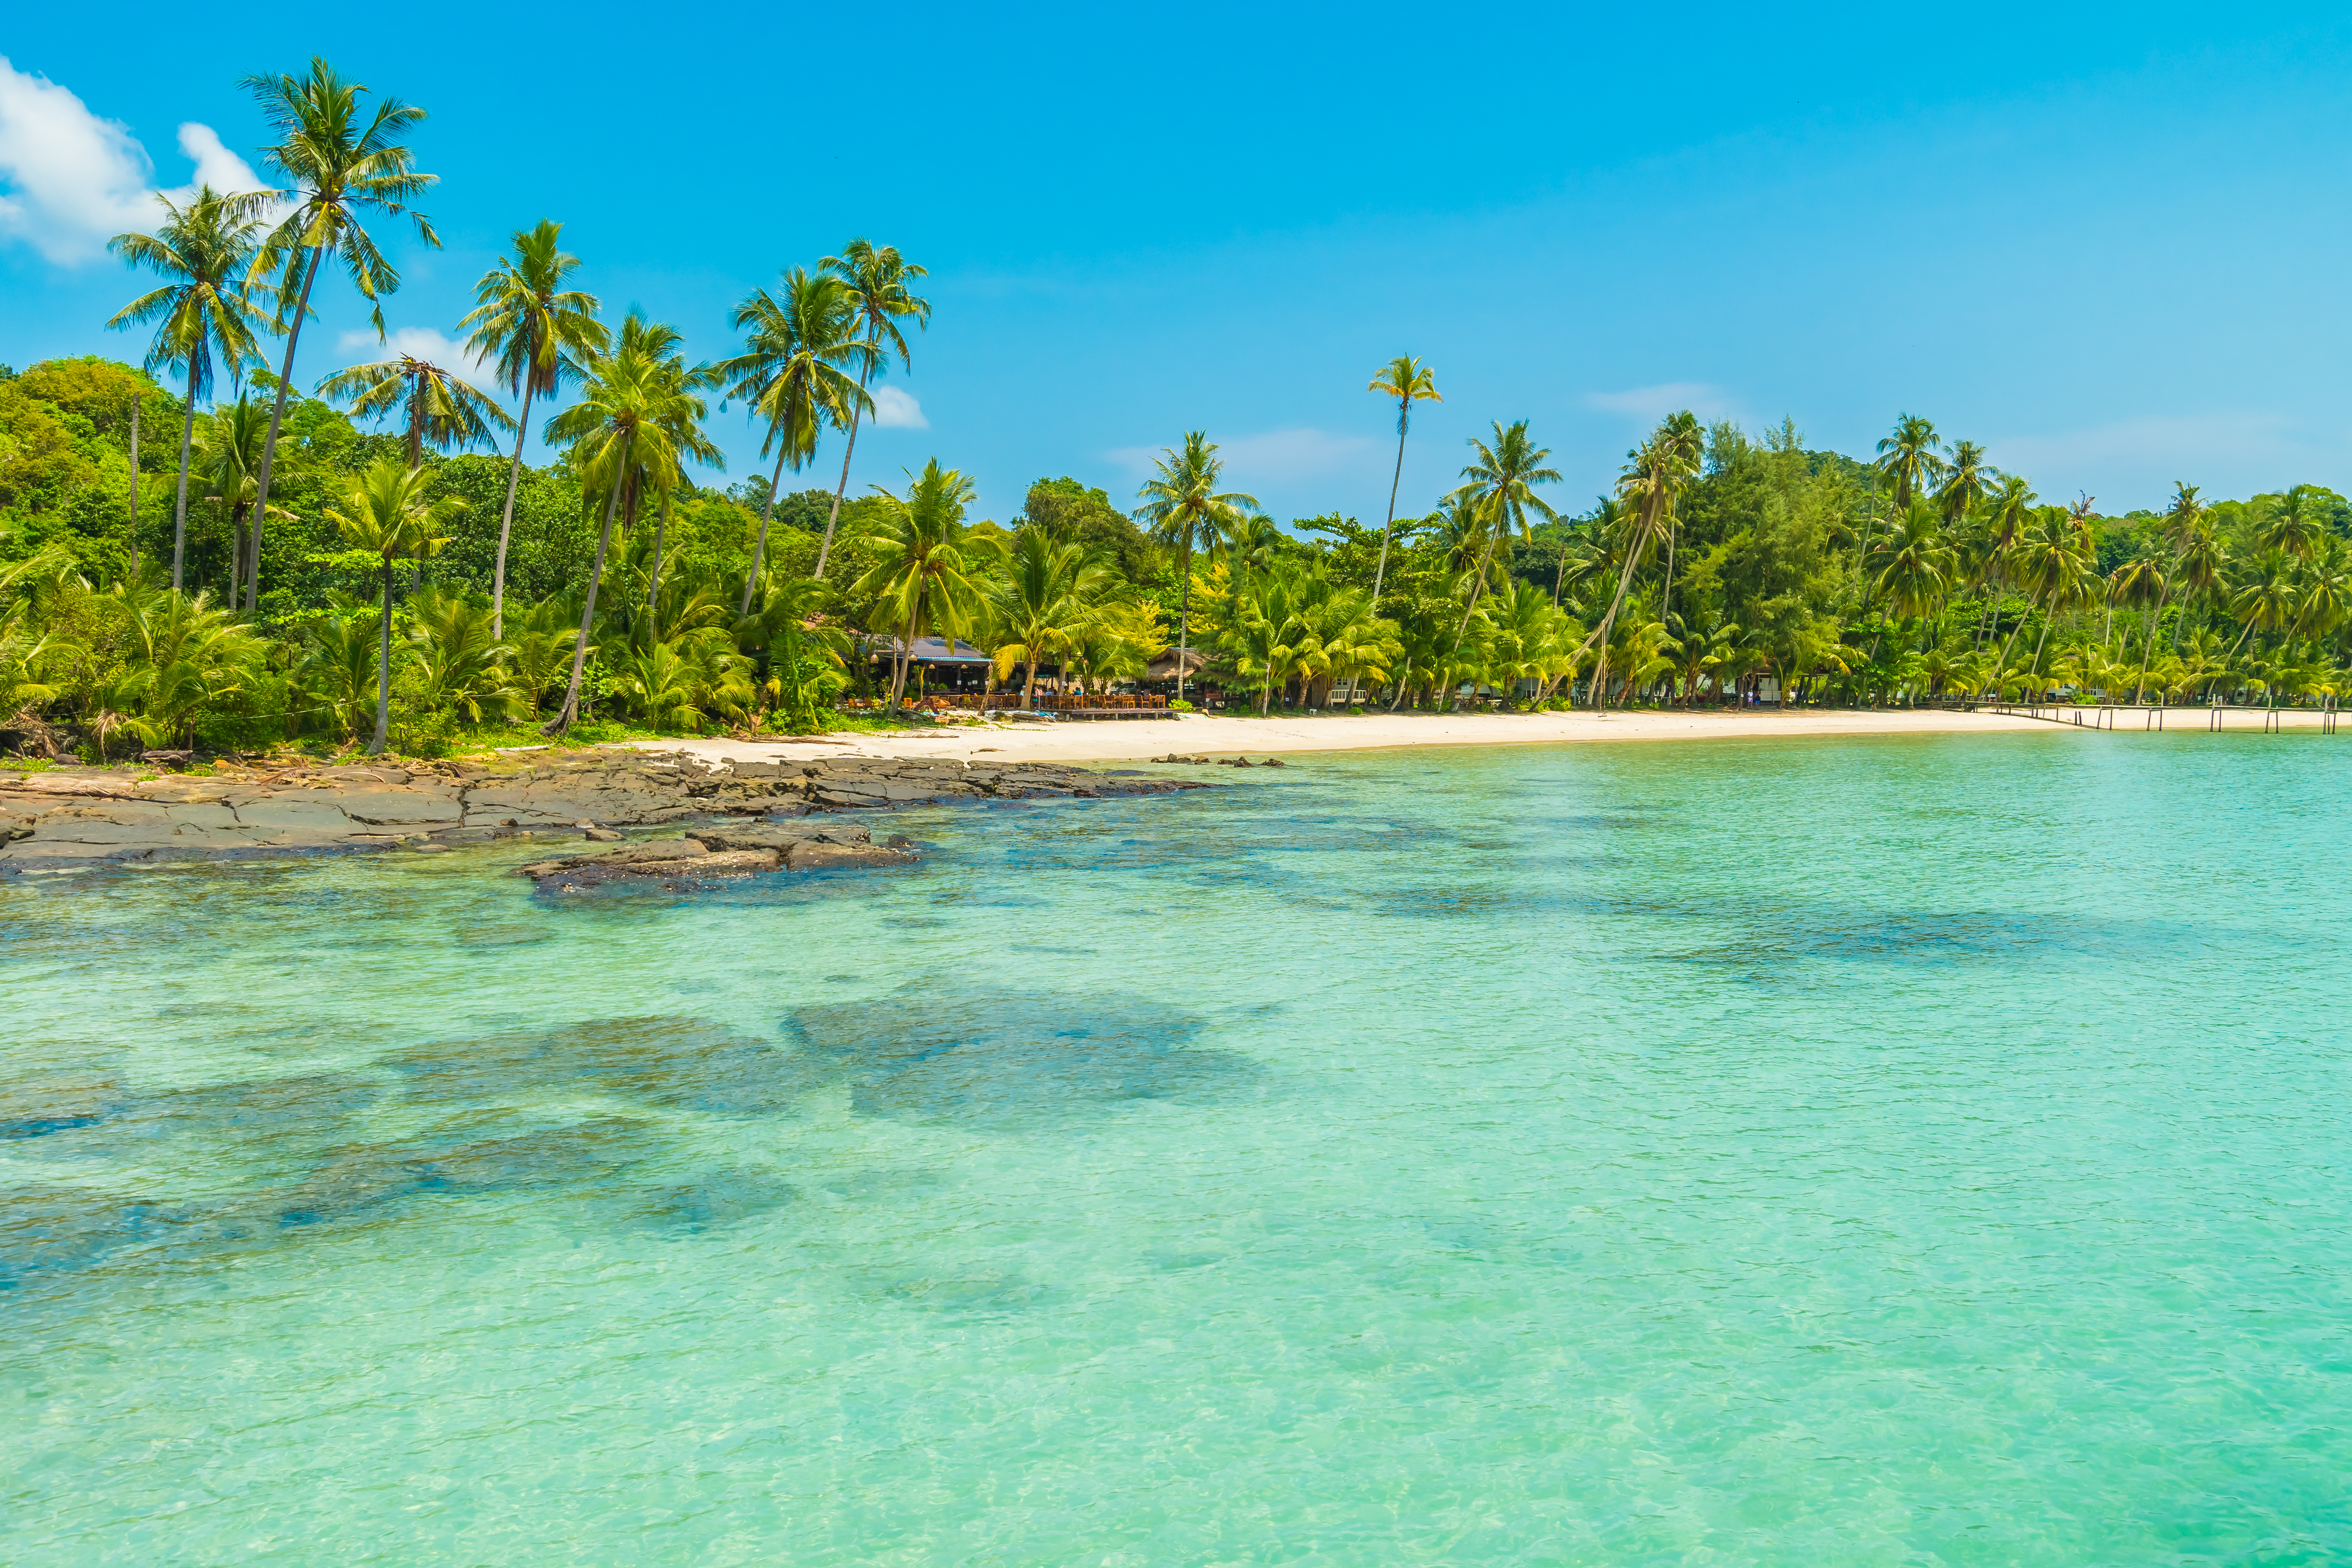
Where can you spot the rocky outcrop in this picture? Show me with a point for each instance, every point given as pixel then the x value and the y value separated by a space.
pixel 71 817
pixel 728 850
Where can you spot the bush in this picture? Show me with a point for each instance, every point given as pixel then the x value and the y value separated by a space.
pixel 1180 706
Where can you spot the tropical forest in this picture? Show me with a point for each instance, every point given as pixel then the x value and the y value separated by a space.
pixel 197 553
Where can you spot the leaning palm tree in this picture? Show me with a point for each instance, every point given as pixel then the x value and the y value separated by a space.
pixel 1185 509
pixel 1408 380
pixel 207 248
pixel 385 514
pixel 438 409
pixel 791 371
pixel 336 172
pixel 921 573
pixel 1656 473
pixel 1499 488
pixel 877 277
pixel 538 333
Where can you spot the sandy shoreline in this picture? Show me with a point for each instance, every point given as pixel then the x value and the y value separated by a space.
pixel 1123 741
pixel 1113 741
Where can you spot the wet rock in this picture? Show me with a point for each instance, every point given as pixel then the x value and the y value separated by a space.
pixel 819 856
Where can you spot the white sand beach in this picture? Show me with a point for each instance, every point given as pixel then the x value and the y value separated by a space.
pixel 1082 740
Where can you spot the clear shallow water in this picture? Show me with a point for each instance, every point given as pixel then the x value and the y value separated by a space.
pixel 1903 1152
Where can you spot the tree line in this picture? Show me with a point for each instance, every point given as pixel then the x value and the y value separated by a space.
pixel 197 553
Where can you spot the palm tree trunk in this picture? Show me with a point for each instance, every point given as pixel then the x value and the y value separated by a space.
pixel 1029 676
pixel 1379 573
pixel 277 416
pixel 906 655
pixel 2148 646
pixel 180 505
pixel 1183 614
pixel 653 579
pixel 506 519
pixel 760 545
pixel 570 713
pixel 384 669
pixel 1485 565
pixel 134 486
pixel 855 414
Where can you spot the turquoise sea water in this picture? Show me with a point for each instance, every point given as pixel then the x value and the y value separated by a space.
pixel 1918 1150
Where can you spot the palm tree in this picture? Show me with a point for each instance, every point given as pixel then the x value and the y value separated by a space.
pixel 877 279
pixel 920 571
pixel 336 171
pixel 1408 380
pixel 791 370
pixel 1907 459
pixel 1183 507
pixel 2292 529
pixel 620 409
pixel 1967 481
pixel 1042 602
pixel 386 514
pixel 439 410
pixel 2141 583
pixel 1656 473
pixel 540 334
pixel 229 458
pixel 207 248
pixel 1499 482
pixel 1914 559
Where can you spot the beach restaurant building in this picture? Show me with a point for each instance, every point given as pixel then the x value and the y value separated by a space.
pixel 947 669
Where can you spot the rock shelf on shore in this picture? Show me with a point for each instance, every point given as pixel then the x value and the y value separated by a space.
pixel 66 818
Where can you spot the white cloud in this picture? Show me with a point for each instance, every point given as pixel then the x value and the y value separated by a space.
pixel 1646 403
pixel 216 166
pixel 418 342
pixel 896 410
pixel 69 180
pixel 1276 455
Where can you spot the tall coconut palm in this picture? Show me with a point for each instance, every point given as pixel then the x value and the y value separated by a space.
pixel 921 572
pixel 877 279
pixel 436 408
pixel 1499 482
pixel 1656 473
pixel 1185 509
pixel 635 419
pixel 386 514
pixel 538 333
pixel 791 371
pixel 337 172
pixel 207 248
pixel 1408 380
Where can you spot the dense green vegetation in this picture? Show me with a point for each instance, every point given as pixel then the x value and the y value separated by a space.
pixel 272 568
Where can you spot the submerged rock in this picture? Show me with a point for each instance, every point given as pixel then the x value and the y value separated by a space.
pixel 65 818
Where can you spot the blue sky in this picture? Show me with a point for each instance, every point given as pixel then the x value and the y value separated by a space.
pixel 2110 242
